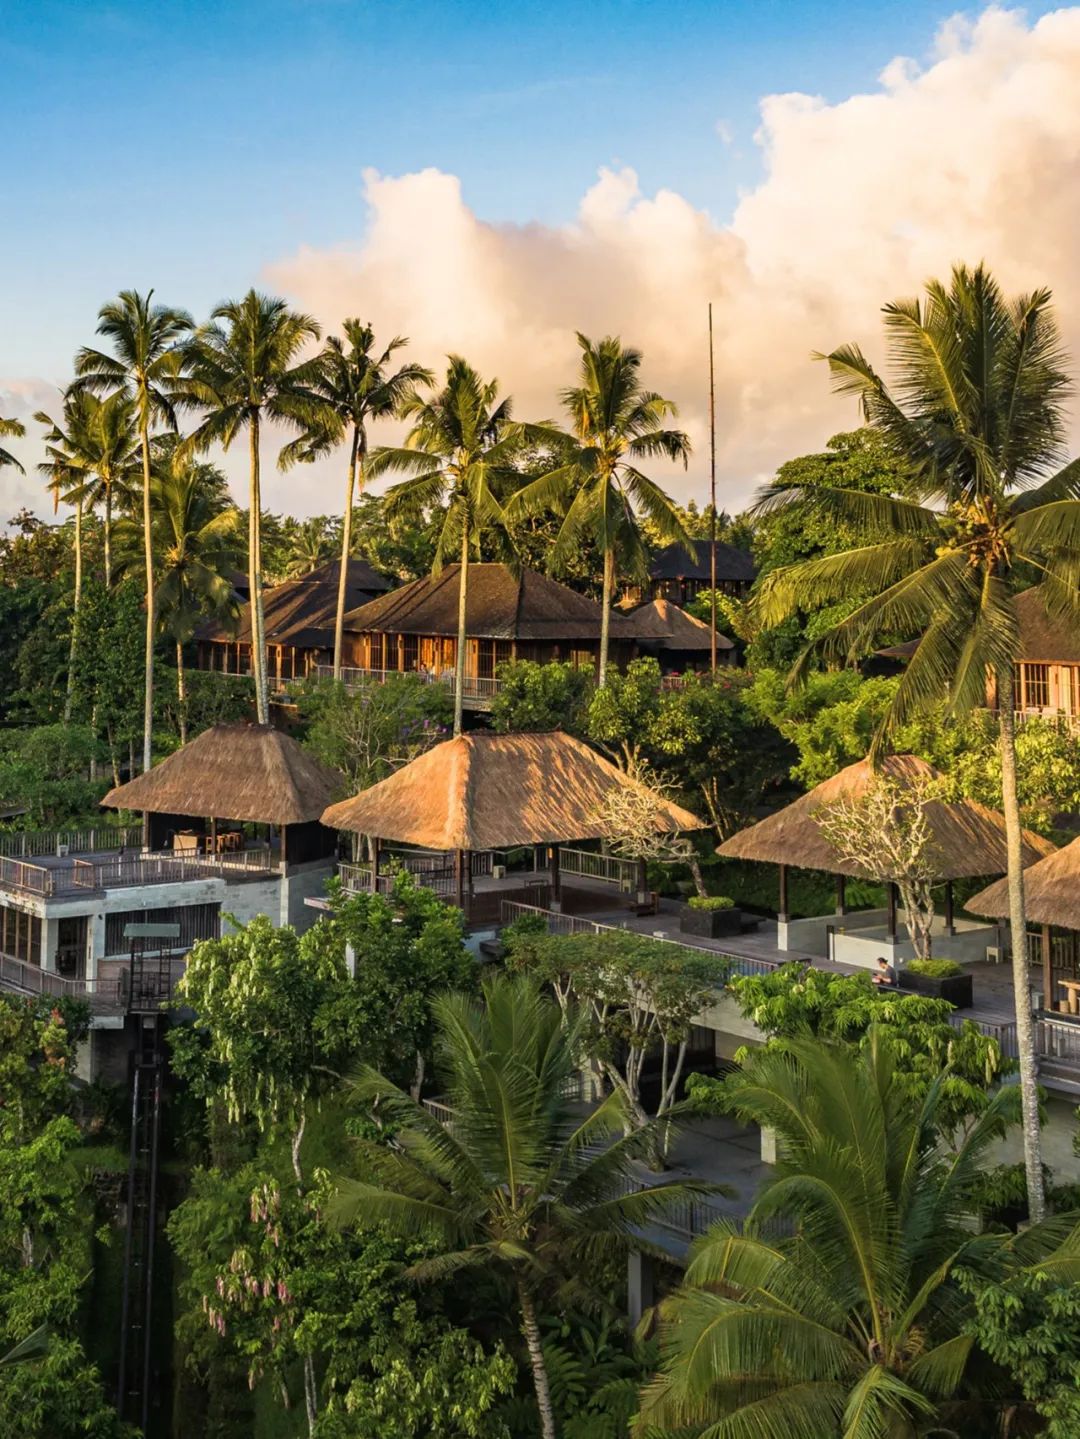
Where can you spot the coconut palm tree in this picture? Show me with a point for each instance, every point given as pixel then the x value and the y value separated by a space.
pixel 518 1182
pixel 246 368
pixel 197 542
pixel 311 544
pixel 146 361
pixel 96 441
pixel 460 451
pixel 596 485
pixel 976 415
pixel 853 1325
pixel 15 430
pixel 68 481
pixel 357 386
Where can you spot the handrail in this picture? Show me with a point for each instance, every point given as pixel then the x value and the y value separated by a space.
pixel 25 844
pixel 352 676
pixel 607 868
pixel 101 994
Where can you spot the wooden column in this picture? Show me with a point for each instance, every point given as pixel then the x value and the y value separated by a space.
pixel 1047 969
pixel 556 878
pixel 642 877
pixel 459 876
pixel 892 913
pixel 782 911
pixel 950 924
pixel 841 895
pixel 375 863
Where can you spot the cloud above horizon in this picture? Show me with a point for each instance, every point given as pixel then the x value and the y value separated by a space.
pixel 970 156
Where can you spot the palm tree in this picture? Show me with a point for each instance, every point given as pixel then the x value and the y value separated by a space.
pixel 244 369
pixel 144 366
pixel 596 484
pixel 977 418
pixel 14 429
pixel 96 441
pixel 854 1324
pixel 357 387
pixel 67 477
pixel 516 1183
pixel 460 450
pixel 197 541
pixel 311 544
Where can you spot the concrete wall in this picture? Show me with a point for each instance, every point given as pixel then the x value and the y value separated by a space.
pixel 245 899
pixel 303 882
pixel 865 936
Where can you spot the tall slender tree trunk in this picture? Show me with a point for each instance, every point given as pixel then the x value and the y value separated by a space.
pixel 107 537
pixel 258 641
pixel 151 608
pixel 346 546
pixel 531 1330
pixel 605 614
pixel 1025 1025
pixel 463 597
pixel 181 693
pixel 76 614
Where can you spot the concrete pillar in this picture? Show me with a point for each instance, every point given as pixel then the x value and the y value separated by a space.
pixel 50 937
pixel 768 1146
pixel 640 1287
pixel 97 945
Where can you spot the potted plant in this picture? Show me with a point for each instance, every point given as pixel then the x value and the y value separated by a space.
pixel 712 916
pixel 940 978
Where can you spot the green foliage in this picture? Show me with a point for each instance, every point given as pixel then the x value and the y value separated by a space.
pixel 935 968
pixel 853 1321
pixel 408 947
pixel 541 697
pixel 368 731
pixel 710 902
pixel 44 1234
pixel 797 1000
pixel 1030 1325
pixel 47 769
pixel 831 719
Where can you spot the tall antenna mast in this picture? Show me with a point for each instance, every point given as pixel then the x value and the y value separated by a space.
pixel 712 503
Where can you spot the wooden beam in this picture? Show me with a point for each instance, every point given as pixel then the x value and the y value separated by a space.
pixel 375 863
pixel 841 895
pixel 556 877
pixel 892 913
pixel 1047 969
pixel 782 912
pixel 950 922
pixel 459 876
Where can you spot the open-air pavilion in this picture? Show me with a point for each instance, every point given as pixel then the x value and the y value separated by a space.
pixel 462 803
pixel 967 841
pixel 1051 901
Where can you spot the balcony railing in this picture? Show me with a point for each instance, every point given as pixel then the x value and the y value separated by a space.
pixel 28 843
pixel 129 871
pixel 607 868
pixel 103 995
pixel 476 687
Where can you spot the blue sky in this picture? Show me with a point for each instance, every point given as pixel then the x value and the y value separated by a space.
pixel 186 145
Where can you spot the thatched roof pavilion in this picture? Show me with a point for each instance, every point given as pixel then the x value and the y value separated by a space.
pixel 1051 900
pixel 968 838
pixel 489 791
pixel 240 772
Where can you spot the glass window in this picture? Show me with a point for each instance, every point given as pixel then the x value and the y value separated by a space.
pixel 1035 686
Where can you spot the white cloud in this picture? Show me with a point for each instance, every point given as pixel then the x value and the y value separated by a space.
pixel 973 156
pixel 19 400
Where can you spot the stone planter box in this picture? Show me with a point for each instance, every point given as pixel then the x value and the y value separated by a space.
pixel 956 988
pixel 710 923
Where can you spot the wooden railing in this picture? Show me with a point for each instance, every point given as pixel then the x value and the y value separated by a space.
pixel 25 844
pixel 101 994
pixel 476 687
pixel 1058 1040
pixel 606 868
pixel 434 869
pixel 29 878
pixel 168 868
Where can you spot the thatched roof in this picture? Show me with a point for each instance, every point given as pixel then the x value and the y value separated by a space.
pixel 301 612
pixel 1051 891
pixel 237 771
pixel 489 791
pixel 499 605
pixel 660 625
pixel 675 562
pixel 1043 639
pixel 968 838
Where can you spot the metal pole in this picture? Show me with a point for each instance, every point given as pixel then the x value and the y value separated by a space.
pixel 712 502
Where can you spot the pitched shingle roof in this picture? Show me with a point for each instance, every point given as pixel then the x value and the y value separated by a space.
pixel 675 562
pixel 664 626
pixel 301 611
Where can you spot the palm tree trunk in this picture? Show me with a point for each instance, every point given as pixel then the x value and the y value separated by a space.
pixel 73 652
pixel 531 1330
pixel 151 616
pixel 107 537
pixel 258 643
pixel 605 615
pixel 1025 1026
pixel 463 596
pixel 346 545
pixel 181 693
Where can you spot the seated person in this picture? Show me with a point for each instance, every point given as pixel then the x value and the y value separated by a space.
pixel 885 973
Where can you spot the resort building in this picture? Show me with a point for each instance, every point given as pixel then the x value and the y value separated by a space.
pixel 678 574
pixel 299 618
pixel 230 827
pixel 678 641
